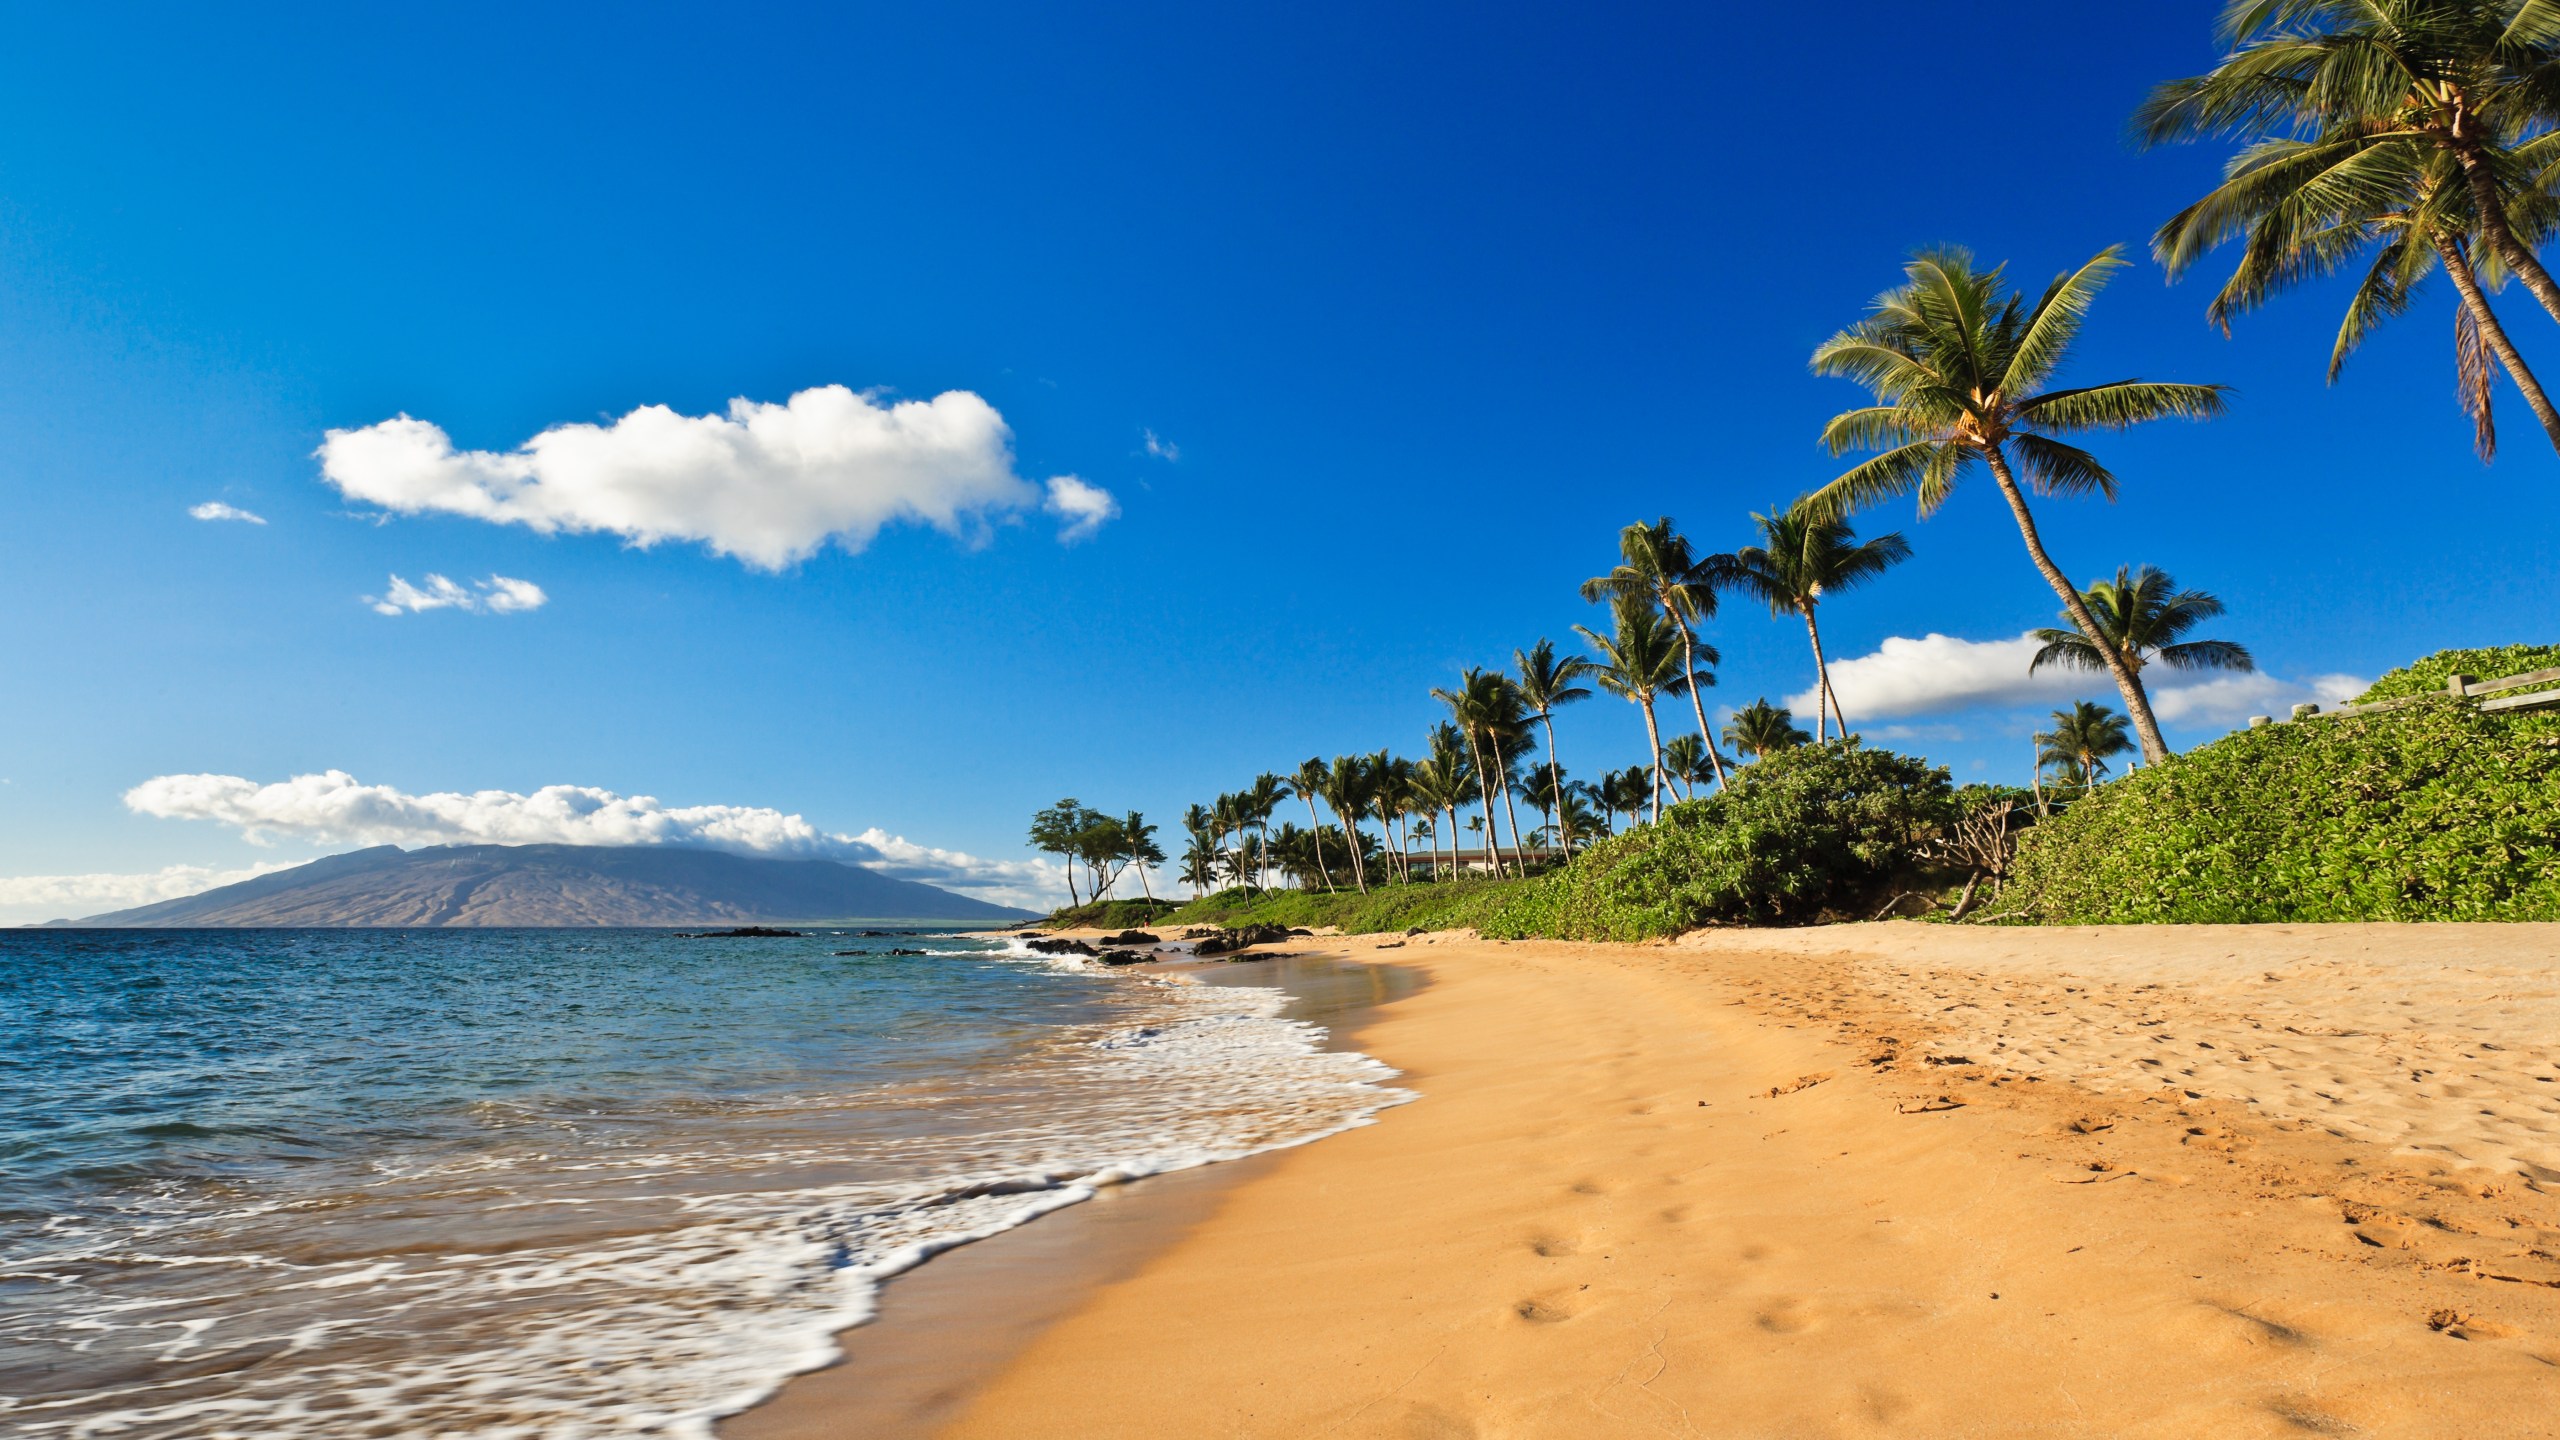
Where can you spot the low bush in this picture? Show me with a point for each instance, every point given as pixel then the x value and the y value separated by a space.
pixel 2433 812
pixel 1802 836
pixel 1452 905
pixel 2427 677
pixel 1112 915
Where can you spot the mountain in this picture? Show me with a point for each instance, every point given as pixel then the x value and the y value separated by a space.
pixel 558 885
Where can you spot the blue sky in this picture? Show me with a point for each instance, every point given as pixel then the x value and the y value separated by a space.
pixel 1428 301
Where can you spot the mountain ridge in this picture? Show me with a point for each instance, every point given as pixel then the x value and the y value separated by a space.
pixel 553 886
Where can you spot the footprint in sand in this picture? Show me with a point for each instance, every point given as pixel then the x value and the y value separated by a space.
pixel 1788 1316
pixel 1551 1248
pixel 1540 1312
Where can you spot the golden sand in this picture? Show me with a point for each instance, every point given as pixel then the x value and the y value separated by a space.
pixel 1884 1180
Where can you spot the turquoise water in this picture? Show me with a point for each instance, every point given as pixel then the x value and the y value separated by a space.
pixel 554 1183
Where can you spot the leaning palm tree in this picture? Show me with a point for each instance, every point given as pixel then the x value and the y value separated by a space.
pixel 2145 617
pixel 2468 82
pixel 1261 802
pixel 1803 556
pixel 2306 208
pixel 1956 358
pixel 1640 659
pixel 1547 681
pixel 1308 782
pixel 1138 841
pixel 1657 565
pixel 1761 730
pixel 2082 740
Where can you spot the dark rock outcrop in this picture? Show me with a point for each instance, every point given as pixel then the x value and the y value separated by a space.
pixel 1133 937
pixel 1227 942
pixel 1062 947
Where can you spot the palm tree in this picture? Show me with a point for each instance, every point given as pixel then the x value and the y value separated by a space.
pixel 1622 792
pixel 1658 566
pixel 2305 208
pixel 1956 356
pixel 1261 802
pixel 2082 740
pixel 1638 662
pixel 1138 840
pixel 2144 617
pixel 1684 759
pixel 1487 707
pixel 1573 815
pixel 1761 730
pixel 1308 782
pixel 1802 557
pixel 1200 863
pixel 1347 791
pixel 1546 682
pixel 1448 781
pixel 2467 82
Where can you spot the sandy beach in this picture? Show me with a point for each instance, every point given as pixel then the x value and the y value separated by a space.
pixel 1876 1180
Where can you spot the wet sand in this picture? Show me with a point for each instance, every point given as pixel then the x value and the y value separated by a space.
pixel 951 1325
pixel 1882 1180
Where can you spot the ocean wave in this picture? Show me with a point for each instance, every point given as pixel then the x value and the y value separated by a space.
pixel 698 1276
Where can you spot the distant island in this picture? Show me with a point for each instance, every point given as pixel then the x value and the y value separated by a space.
pixel 556 885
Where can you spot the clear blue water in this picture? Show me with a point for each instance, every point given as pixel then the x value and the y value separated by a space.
pixel 272 1183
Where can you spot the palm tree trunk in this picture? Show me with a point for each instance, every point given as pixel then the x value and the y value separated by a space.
pixel 1653 733
pixel 1144 887
pixel 2457 267
pixel 1351 837
pixel 2492 215
pixel 1452 872
pixel 1555 770
pixel 1073 899
pixel 1822 675
pixel 2137 703
pixel 1502 770
pixel 1318 821
pixel 1484 797
pixel 1689 667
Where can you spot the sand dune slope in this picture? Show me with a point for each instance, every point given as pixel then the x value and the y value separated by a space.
pixel 1744 1188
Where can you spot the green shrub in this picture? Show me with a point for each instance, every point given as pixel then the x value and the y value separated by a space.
pixel 2427 677
pixel 1799 835
pixel 2433 812
pixel 1453 905
pixel 1112 914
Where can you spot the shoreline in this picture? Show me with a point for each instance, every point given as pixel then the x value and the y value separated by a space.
pixel 947 1327
pixel 1884 1179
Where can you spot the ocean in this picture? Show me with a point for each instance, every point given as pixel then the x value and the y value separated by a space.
pixel 551 1183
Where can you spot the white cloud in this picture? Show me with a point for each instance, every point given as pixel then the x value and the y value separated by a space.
pixel 1938 673
pixel 2228 699
pixel 497 595
pixel 1161 448
pixel 766 483
pixel 1085 508
pixel 333 808
pixel 33 899
pixel 216 510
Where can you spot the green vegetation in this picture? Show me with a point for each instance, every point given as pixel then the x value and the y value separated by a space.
pixel 2434 812
pixel 1807 834
pixel 1449 905
pixel 2428 676
pixel 1113 914
pixel 2396 138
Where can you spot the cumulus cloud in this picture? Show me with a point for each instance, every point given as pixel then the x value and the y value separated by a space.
pixel 1084 508
pixel 1161 448
pixel 33 899
pixel 2227 699
pixel 216 510
pixel 497 595
pixel 1939 673
pixel 333 807
pixel 766 483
